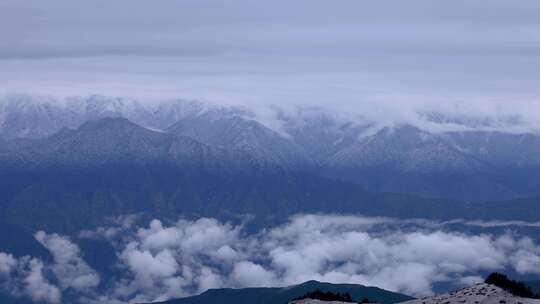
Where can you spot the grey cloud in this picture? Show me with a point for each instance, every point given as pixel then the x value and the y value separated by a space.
pixel 388 61
pixel 61 26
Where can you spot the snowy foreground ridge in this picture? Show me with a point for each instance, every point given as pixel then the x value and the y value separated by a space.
pixel 477 294
pixel 312 301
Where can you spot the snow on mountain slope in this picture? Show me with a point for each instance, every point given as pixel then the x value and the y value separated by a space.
pixel 468 165
pixel 316 136
pixel 480 293
pixel 322 135
pixel 234 132
pixel 21 117
pixel 115 139
pixel 25 116
pixel 314 301
pixel 496 148
pixel 229 128
pixel 406 148
pixel 345 143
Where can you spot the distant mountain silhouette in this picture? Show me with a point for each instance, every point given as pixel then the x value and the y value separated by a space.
pixel 285 294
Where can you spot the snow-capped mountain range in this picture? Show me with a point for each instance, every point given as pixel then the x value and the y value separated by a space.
pixel 472 165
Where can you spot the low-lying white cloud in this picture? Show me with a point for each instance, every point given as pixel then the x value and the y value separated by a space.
pixel 38 287
pixel 26 277
pixel 162 261
pixel 178 260
pixel 7 263
pixel 70 269
pixel 492 224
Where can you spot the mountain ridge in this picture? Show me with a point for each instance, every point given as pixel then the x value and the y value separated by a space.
pixel 282 295
pixel 468 165
pixel 115 167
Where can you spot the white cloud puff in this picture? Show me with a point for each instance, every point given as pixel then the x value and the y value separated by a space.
pixel 249 274
pixel 7 263
pixel 26 277
pixel 178 260
pixel 38 287
pixel 43 282
pixel 70 269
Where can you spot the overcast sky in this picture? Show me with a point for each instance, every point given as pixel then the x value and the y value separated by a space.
pixel 479 56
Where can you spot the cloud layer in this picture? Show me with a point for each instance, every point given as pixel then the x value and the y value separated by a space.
pixel 159 261
pixel 460 58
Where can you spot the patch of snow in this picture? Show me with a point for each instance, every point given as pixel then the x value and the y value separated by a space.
pixel 313 301
pixel 480 293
